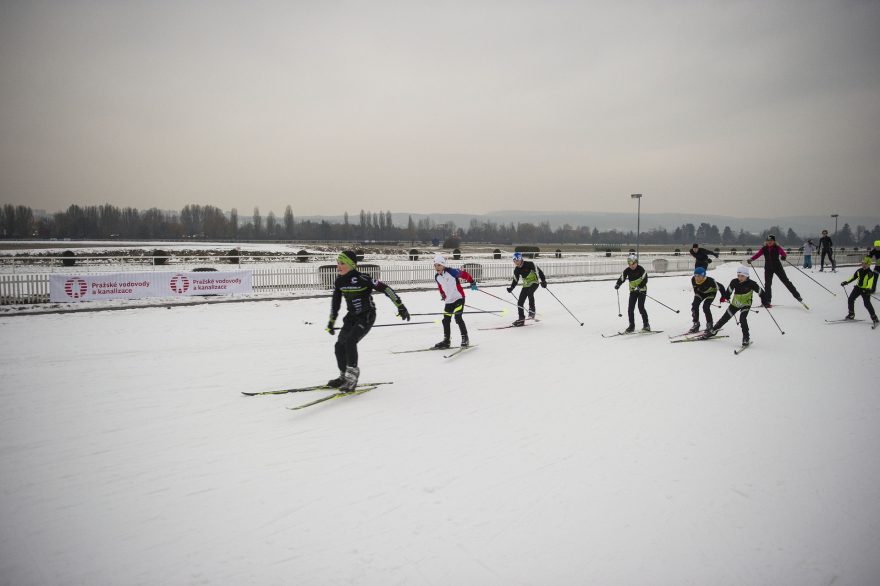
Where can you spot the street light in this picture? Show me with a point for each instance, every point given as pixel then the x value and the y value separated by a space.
pixel 835 223
pixel 638 196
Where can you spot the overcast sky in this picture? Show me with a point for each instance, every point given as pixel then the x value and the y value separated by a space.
pixel 728 107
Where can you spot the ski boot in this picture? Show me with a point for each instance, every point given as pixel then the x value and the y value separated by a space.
pixel 746 341
pixel 711 332
pixel 646 327
pixel 337 382
pixel 351 379
pixel 442 345
pixel 695 328
pixel 850 316
pixel 630 329
pixel 465 342
pixel 519 322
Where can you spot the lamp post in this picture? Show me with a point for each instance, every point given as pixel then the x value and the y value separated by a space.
pixel 835 223
pixel 638 197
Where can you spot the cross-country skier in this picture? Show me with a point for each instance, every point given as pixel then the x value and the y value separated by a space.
pixel 357 288
pixel 866 284
pixel 874 253
pixel 530 274
pixel 740 294
pixel 638 291
pixel 705 289
pixel 773 256
pixel 701 256
pixel 826 249
pixel 452 293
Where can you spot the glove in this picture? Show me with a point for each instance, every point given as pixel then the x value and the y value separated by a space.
pixel 329 329
pixel 544 284
pixel 749 261
pixel 724 300
pixel 403 313
pixel 617 286
pixel 510 289
pixel 843 283
pixel 783 257
pixel 473 285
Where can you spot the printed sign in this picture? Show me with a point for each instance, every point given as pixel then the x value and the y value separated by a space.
pixel 72 288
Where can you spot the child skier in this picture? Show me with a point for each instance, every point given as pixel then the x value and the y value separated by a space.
pixel 773 256
pixel 705 289
pixel 530 275
pixel 452 293
pixel 809 249
pixel 740 293
pixel 358 289
pixel 701 256
pixel 638 291
pixel 866 284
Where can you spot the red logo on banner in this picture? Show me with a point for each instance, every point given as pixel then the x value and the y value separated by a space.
pixel 179 284
pixel 75 287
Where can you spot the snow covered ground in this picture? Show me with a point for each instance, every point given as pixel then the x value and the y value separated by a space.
pixel 546 455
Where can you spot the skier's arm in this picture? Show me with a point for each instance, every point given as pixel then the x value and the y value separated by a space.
pixel 541 276
pixel 394 297
pixel 757 254
pixel 335 304
pixel 515 280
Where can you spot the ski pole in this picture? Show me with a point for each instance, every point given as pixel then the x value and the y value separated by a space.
pixel 774 320
pixel 563 305
pixel 765 307
pixel 478 310
pixel 505 300
pixel 619 314
pixel 408 323
pixel 661 303
pixel 811 278
pixel 443 313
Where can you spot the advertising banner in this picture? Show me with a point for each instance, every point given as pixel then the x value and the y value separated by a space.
pixel 73 288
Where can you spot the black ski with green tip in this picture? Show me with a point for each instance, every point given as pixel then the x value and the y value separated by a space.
pixel 359 391
pixel 312 388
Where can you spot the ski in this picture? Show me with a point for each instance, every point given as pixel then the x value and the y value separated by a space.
pixel 697 333
pixel 431 349
pixel 312 388
pixel 360 391
pixel 696 338
pixel 459 351
pixel 508 326
pixel 842 321
pixel 632 333
pixel 741 348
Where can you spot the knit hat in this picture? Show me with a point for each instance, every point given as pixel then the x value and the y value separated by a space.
pixel 771 237
pixel 742 270
pixel 867 260
pixel 347 257
pixel 695 245
pixel 877 244
pixel 700 271
pixel 439 259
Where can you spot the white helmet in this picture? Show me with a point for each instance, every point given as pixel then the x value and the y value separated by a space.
pixel 742 270
pixel 632 258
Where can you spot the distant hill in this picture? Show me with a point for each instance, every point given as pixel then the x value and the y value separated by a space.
pixel 804 225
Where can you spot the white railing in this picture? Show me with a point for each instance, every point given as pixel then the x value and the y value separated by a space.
pixel 318 274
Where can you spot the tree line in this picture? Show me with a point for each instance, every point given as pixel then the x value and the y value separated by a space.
pixel 211 223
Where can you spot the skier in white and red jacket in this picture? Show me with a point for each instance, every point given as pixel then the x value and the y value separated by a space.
pixel 452 293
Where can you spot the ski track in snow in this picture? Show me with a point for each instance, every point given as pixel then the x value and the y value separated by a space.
pixel 552 455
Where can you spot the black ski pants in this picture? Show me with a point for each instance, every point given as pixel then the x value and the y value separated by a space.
pixel 527 293
pixel 768 282
pixel 637 297
pixel 451 310
pixel 743 319
pixel 695 310
pixel 830 254
pixel 354 328
pixel 866 297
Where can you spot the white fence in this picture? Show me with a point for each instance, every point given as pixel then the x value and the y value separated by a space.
pixel 21 286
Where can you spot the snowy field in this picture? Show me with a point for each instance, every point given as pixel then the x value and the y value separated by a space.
pixel 546 455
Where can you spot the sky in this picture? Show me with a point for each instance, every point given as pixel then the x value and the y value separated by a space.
pixel 740 108
pixel 538 457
